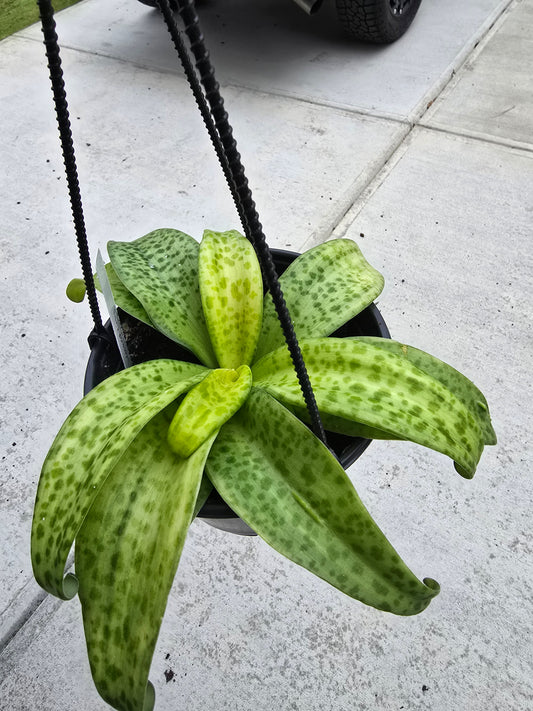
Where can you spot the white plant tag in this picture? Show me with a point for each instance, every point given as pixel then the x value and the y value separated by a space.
pixel 113 313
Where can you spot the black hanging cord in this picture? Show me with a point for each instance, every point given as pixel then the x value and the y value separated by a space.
pixel 198 94
pixel 221 133
pixel 63 121
pixel 217 123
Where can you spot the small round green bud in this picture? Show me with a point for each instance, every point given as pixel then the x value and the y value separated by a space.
pixel 76 290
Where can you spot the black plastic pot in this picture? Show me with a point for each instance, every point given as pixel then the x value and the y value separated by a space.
pixel 147 344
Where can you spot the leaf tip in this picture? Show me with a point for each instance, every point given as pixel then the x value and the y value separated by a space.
pixel 149 697
pixel 70 586
pixel 433 585
pixel 465 473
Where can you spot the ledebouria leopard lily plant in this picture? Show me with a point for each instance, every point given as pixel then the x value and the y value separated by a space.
pixel 139 454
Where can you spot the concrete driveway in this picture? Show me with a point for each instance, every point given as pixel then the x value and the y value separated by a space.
pixel 422 153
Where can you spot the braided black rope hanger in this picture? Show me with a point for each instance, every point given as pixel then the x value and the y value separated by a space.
pixel 46 12
pixel 216 120
pixel 238 181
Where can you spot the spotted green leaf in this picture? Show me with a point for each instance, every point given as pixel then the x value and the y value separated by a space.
pixel 206 487
pixel 463 388
pixel 123 298
pixel 231 287
pixel 87 447
pixel 340 425
pixel 362 382
pixel 161 271
pixel 289 488
pixel 324 288
pixel 127 553
pixel 206 407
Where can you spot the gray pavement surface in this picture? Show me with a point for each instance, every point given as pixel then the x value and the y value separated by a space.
pixel 422 153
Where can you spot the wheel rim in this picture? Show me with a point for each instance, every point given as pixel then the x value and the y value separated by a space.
pixel 399 7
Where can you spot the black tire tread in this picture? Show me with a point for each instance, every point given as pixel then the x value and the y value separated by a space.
pixel 370 20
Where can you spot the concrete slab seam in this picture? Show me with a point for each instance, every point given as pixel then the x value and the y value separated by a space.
pixel 373 185
pixel 29 611
pixel 101 55
pixel 484 33
pixel 324 103
pixel 479 136
pixel 364 188
pixel 20 621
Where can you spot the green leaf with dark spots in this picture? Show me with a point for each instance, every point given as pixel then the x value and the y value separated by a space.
pixel 231 287
pixel 161 271
pixel 124 299
pixel 324 288
pixel 341 426
pixel 88 445
pixel 127 554
pixel 460 385
pixel 358 381
pixel 285 484
pixel 206 407
pixel 206 487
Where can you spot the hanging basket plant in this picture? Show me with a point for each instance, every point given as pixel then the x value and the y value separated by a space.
pixel 244 414
pixel 139 455
pixel 145 343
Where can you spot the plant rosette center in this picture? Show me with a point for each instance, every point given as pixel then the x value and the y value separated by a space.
pixel 207 407
pixel 138 456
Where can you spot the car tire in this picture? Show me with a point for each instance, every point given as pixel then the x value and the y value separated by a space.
pixel 377 21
